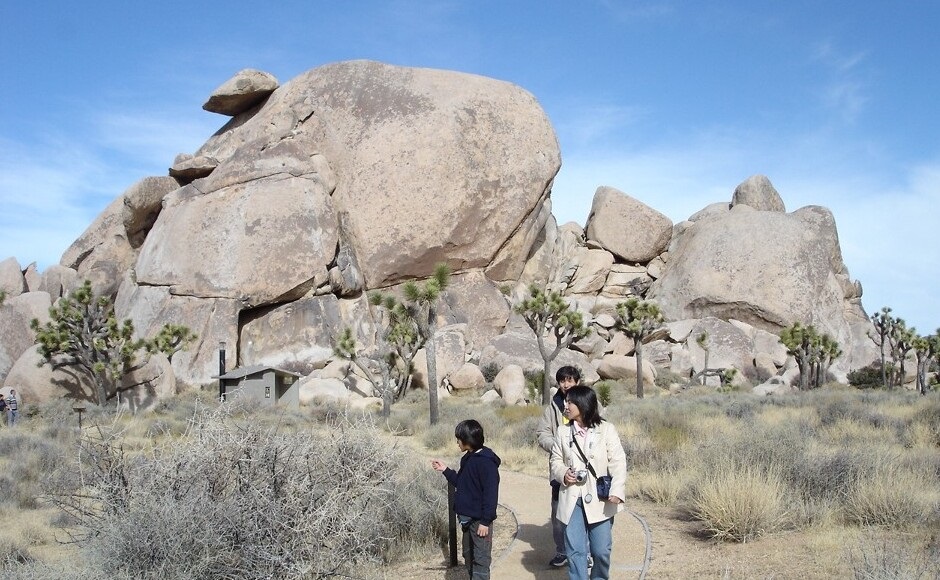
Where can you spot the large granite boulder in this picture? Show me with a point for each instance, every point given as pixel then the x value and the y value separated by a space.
pixel 630 229
pixel 350 177
pixel 767 269
pixel 213 320
pixel 142 204
pixel 57 280
pixel 431 166
pixel 267 237
pixel 12 282
pixel 476 301
pixel 102 254
pixel 15 334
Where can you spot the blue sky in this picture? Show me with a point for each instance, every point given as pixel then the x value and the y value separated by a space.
pixel 672 102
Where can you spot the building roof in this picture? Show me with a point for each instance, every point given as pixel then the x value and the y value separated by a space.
pixel 241 372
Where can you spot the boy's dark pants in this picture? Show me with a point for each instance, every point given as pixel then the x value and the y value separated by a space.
pixel 477 551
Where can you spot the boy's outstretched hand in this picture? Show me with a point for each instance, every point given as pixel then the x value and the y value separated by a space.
pixel 438 465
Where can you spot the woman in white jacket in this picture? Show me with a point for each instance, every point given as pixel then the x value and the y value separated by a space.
pixel 588 520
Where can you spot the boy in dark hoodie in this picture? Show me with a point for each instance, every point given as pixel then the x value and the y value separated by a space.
pixel 477 491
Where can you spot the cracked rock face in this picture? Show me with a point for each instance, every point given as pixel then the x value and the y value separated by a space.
pixel 350 177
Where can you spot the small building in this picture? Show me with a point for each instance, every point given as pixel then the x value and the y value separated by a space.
pixel 265 385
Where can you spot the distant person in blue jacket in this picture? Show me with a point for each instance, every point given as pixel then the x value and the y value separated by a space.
pixel 477 491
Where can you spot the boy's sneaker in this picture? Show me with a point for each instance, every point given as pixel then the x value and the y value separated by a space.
pixel 558 561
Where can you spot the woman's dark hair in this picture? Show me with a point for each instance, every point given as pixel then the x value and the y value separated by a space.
pixel 470 433
pixel 585 399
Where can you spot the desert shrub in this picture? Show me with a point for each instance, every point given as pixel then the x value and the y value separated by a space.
pixel 896 560
pixel 519 432
pixel 835 409
pixel 741 408
pixel 891 496
pixel 30 457
pixel 665 377
pixel 928 415
pixel 664 487
pixel 738 502
pixel 603 389
pixel 233 499
pixel 533 385
pixel 668 426
pixel 489 370
pixel 866 377
pixel 13 551
pixel 824 475
pixel 439 436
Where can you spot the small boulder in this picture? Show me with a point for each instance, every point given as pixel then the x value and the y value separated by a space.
pixel 757 192
pixel 467 377
pixel 491 396
pixel 187 168
pixel 312 389
pixel 510 383
pixel 241 92
pixel 619 368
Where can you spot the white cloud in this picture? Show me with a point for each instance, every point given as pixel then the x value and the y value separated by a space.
pixel 845 90
pixel 51 191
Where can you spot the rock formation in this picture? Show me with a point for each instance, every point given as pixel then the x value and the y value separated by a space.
pixel 359 176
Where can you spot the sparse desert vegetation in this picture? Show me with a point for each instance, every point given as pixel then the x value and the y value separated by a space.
pixel 194 491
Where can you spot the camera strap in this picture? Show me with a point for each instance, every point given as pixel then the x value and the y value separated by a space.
pixel 581 452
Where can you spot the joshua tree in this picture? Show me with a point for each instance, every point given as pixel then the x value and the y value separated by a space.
pixel 802 343
pixel 925 347
pixel 903 342
pixel 171 339
pixel 638 319
pixel 828 351
pixel 422 301
pixel 884 331
pixel 84 334
pixel 551 318
pixel 388 365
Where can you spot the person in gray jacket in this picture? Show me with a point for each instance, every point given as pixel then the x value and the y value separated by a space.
pixel 552 418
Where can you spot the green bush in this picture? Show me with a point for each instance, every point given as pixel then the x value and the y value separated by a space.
pixel 603 392
pixel 866 377
pixel 533 385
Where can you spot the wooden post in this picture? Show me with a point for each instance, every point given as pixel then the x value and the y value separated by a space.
pixel 452 528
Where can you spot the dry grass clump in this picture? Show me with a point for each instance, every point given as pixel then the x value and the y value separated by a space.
pixel 738 502
pixel 893 496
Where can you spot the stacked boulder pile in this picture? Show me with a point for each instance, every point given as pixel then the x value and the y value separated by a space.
pixel 360 176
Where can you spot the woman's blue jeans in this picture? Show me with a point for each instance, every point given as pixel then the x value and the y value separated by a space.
pixel 580 537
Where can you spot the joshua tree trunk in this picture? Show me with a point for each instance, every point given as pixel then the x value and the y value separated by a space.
pixel 922 361
pixel 431 351
pixel 639 369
